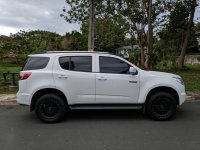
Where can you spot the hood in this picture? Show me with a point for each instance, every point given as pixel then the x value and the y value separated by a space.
pixel 163 74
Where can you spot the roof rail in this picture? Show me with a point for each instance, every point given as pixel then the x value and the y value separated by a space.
pixel 76 52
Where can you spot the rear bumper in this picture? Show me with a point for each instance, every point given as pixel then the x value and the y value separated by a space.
pixel 182 98
pixel 23 98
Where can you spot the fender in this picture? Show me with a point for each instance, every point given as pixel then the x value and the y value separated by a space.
pixel 150 84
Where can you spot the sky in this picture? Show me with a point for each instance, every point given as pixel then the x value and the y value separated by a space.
pixel 16 15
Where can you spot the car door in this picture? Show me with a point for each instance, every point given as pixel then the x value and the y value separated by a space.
pixel 73 75
pixel 114 83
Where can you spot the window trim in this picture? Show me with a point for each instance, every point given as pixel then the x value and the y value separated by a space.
pixel 70 63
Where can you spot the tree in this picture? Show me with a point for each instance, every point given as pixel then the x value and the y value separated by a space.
pixel 23 43
pixel 76 41
pixel 144 21
pixel 148 62
pixel 108 36
pixel 189 24
pixel 5 46
pixel 132 13
pixel 177 32
pixel 107 30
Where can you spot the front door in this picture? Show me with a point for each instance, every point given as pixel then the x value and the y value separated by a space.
pixel 114 83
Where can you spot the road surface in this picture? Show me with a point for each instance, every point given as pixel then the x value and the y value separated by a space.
pixel 100 130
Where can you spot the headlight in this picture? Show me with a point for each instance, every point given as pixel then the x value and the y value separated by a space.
pixel 178 79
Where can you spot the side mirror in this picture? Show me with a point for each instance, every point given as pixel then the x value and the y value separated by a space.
pixel 132 71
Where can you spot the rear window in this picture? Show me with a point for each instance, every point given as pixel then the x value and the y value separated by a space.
pixel 34 63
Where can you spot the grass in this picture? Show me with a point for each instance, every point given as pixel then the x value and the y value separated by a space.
pixel 191 77
pixel 192 80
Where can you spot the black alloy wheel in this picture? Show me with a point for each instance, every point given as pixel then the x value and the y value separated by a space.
pixel 50 108
pixel 161 106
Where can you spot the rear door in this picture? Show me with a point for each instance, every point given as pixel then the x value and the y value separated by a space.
pixel 73 74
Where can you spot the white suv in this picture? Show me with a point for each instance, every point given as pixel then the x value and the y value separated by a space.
pixel 53 83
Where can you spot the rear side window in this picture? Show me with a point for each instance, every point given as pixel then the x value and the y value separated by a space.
pixel 34 63
pixel 76 63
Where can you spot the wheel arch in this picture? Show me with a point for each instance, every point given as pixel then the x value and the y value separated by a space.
pixel 45 91
pixel 166 89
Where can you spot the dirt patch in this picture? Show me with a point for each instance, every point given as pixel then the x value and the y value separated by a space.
pixel 192 96
pixel 8 99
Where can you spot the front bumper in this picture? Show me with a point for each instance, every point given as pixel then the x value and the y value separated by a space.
pixel 182 98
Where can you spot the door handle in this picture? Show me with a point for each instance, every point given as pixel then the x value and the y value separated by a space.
pixel 132 81
pixel 102 79
pixel 62 76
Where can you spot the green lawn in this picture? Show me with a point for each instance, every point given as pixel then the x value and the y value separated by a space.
pixel 191 77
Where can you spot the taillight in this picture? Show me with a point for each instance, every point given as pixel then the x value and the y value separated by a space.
pixel 25 75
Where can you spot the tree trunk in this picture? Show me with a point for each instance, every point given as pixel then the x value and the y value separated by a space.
pixel 142 55
pixel 181 58
pixel 142 37
pixel 148 62
pixel 141 45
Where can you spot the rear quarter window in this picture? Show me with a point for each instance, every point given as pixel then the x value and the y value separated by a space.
pixel 35 63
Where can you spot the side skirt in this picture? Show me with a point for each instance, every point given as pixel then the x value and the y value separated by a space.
pixel 105 106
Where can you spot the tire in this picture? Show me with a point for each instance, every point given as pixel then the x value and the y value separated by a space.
pixel 161 106
pixel 50 108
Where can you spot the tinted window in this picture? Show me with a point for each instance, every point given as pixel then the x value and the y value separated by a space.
pixel 113 65
pixel 64 62
pixel 76 63
pixel 34 63
pixel 81 64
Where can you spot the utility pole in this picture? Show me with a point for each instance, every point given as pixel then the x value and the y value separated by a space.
pixel 91 27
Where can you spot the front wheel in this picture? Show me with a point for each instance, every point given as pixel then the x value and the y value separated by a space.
pixel 50 108
pixel 161 106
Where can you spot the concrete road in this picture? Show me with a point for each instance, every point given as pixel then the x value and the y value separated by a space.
pixel 100 130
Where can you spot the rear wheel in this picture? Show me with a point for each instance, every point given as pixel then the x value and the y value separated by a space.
pixel 161 106
pixel 50 108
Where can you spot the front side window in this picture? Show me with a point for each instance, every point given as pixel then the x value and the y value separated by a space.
pixel 76 63
pixel 113 65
